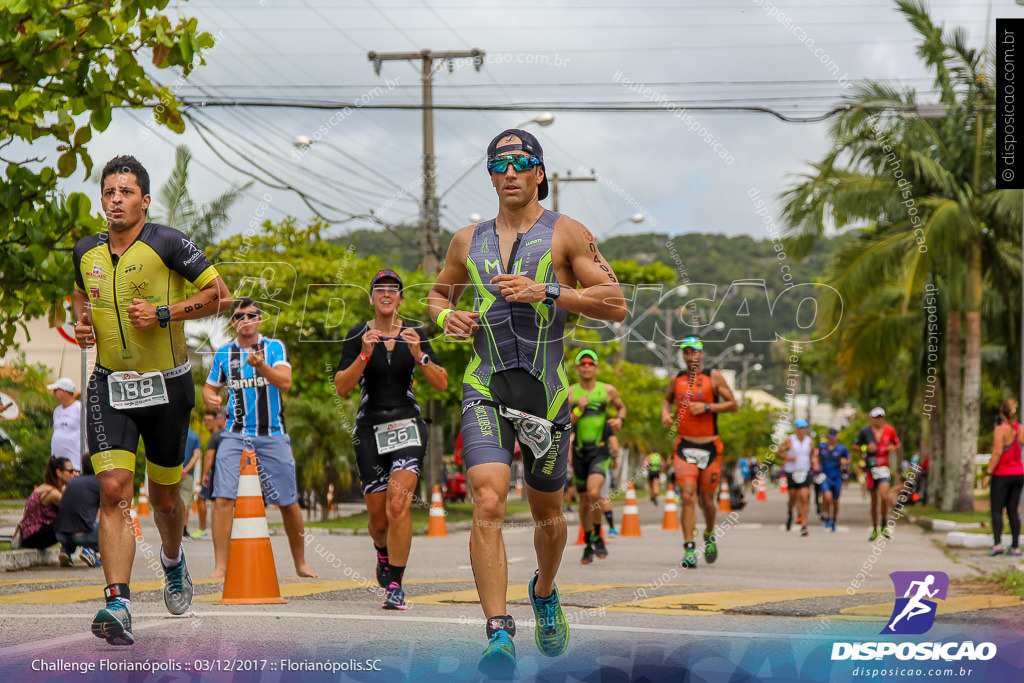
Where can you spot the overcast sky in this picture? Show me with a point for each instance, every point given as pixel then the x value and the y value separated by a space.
pixel 788 56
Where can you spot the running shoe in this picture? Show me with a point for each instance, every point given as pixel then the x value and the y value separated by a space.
pixel 552 629
pixel 588 555
pixel 65 559
pixel 886 533
pixel 199 535
pixel 1013 552
pixel 90 557
pixel 689 559
pixel 789 520
pixel 710 548
pixel 833 527
pixel 499 657
pixel 394 597
pixel 874 535
pixel 997 550
pixel 613 532
pixel 383 573
pixel 799 519
pixel 599 548
pixel 178 589
pixel 803 530
pixel 114 623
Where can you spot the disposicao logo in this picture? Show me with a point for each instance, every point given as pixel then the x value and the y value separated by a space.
pixel 914 614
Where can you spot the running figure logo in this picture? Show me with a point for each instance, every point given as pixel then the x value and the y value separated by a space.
pixel 913 613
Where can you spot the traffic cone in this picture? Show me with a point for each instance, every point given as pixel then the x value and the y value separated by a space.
pixel 670 522
pixel 436 528
pixel 519 488
pixel 330 499
pixel 136 529
pixel 195 494
pixel 251 577
pixel 582 538
pixel 630 515
pixel 783 485
pixel 144 498
pixel 724 500
pixel 762 490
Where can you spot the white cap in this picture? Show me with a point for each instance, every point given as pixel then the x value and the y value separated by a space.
pixel 877 412
pixel 65 383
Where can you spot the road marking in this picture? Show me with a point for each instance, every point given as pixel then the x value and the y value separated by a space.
pixel 695 604
pixel 57 643
pixel 391 620
pixel 964 603
pixel 515 592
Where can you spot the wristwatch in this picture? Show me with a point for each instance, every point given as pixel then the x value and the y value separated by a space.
pixel 553 290
pixel 425 360
pixel 163 314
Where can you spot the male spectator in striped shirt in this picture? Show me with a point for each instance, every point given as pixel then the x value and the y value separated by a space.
pixel 255 370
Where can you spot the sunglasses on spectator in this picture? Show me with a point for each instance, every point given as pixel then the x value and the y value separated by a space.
pixel 73 471
pixel 519 162
pixel 245 316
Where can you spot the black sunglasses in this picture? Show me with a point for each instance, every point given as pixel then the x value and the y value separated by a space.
pixel 245 316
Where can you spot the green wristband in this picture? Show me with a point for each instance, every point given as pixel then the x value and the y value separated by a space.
pixel 442 316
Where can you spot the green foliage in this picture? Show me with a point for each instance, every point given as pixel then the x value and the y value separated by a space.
pixel 21 471
pixel 321 438
pixel 747 432
pixel 57 63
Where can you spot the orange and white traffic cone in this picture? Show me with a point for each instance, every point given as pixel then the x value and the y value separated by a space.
pixel 783 484
pixel 630 516
pixel 436 528
pixel 136 529
pixel 195 492
pixel 724 500
pixel 762 490
pixel 251 577
pixel 519 488
pixel 670 522
pixel 144 498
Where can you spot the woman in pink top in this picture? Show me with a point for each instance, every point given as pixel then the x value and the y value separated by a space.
pixel 1007 472
pixel 41 507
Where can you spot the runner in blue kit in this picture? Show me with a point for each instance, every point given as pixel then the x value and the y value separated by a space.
pixel 523 268
pixel 828 464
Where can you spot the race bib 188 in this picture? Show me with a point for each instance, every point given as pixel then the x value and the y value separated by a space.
pixel 131 390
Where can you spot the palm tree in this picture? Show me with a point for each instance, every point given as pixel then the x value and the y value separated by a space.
pixel 922 195
pixel 200 222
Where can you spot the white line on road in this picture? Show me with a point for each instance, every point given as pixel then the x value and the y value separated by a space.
pixel 391 620
pixel 54 643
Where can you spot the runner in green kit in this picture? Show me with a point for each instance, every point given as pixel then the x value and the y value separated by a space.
pixel 591 457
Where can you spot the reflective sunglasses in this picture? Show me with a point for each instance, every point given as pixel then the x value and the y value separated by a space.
pixel 245 316
pixel 520 162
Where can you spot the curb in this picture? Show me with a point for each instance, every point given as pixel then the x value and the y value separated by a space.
pixel 13 560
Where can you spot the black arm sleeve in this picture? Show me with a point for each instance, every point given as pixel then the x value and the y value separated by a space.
pixel 352 346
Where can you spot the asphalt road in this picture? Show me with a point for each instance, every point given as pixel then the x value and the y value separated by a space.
pixel 770 609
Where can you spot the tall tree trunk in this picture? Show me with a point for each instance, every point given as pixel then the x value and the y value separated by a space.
pixel 949 481
pixel 971 416
pixel 936 447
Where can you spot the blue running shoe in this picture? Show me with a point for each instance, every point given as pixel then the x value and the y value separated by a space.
pixel 114 623
pixel 552 628
pixel 499 657
pixel 178 589
pixel 90 557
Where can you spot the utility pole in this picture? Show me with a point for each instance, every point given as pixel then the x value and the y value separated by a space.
pixel 429 212
pixel 430 217
pixel 554 179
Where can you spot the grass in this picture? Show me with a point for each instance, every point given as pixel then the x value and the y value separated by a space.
pixel 457 512
pixel 960 517
pixel 1012 580
pixel 4 545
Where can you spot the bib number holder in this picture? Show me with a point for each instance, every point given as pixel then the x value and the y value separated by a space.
pixel 880 473
pixel 394 436
pixel 697 456
pixel 131 390
pixel 799 477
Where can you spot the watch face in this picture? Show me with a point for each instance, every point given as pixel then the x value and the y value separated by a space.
pixel 553 289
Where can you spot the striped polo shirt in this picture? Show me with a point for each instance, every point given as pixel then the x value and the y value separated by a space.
pixel 254 406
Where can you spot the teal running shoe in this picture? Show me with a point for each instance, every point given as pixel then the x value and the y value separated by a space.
pixel 499 657
pixel 710 548
pixel 552 628
pixel 689 557
pixel 114 623
pixel 178 590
